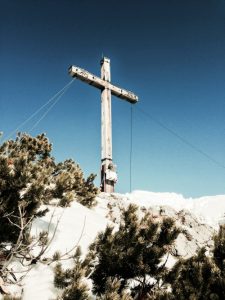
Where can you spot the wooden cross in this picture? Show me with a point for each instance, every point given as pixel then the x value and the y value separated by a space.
pixel 108 172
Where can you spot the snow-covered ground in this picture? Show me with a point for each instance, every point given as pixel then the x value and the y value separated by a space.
pixel 77 224
pixel 210 209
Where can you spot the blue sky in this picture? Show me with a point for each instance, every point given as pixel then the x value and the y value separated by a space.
pixel 170 53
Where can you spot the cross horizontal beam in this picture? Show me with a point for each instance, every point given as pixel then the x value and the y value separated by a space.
pixel 102 84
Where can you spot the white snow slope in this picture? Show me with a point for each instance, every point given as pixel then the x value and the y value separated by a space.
pixel 210 209
pixel 79 225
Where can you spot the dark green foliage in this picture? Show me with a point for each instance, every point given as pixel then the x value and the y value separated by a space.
pixel 219 250
pixel 200 277
pixel 25 170
pixel 192 278
pixel 29 177
pixel 70 184
pixel 113 291
pixel 76 292
pixel 86 195
pixel 135 251
pixel 72 280
pixel 56 256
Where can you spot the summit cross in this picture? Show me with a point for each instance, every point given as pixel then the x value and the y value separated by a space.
pixel 108 172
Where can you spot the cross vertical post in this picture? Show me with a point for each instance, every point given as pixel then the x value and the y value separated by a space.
pixel 106 129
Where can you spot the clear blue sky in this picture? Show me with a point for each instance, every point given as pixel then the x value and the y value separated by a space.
pixel 170 53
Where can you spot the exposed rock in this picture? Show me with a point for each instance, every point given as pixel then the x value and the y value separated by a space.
pixel 195 234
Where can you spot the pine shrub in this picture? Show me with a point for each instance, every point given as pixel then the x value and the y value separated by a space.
pixel 30 177
pixel 113 291
pixel 133 252
pixel 72 280
pixel 200 277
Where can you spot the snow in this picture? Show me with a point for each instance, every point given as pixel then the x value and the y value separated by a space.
pixel 39 284
pixel 209 209
pixel 147 199
pixel 77 224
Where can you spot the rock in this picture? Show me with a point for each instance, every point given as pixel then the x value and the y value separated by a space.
pixel 195 234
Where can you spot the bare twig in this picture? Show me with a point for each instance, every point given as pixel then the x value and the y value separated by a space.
pixel 74 247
